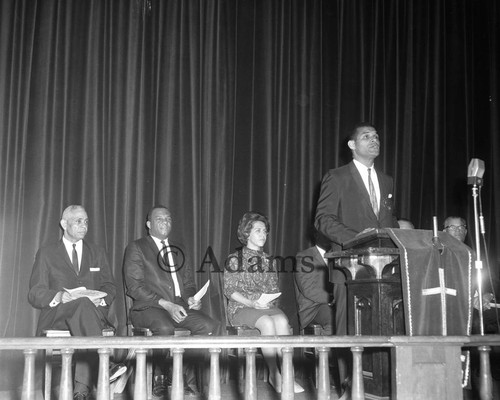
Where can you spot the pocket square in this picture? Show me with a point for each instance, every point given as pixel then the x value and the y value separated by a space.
pixel 95 269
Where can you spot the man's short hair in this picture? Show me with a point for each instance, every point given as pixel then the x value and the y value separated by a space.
pixel 155 207
pixel 354 133
pixel 69 210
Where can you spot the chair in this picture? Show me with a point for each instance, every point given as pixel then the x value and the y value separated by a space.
pixel 50 353
pixel 316 330
pixel 140 331
pixel 245 331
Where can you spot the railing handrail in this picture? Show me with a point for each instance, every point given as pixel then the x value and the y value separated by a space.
pixel 197 342
pixel 138 347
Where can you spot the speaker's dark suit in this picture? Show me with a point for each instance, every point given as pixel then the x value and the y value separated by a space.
pixel 313 290
pixel 52 272
pixel 148 281
pixel 344 210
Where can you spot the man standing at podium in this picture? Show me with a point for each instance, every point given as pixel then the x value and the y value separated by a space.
pixel 354 199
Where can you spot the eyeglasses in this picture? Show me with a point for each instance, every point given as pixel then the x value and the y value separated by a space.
pixel 456 227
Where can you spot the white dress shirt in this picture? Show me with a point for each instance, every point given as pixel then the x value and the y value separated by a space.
pixel 177 289
pixel 363 170
pixel 69 248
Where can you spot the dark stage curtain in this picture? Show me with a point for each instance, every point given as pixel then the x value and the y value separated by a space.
pixel 217 107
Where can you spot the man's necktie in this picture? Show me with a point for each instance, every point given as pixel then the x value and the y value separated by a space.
pixel 164 253
pixel 373 194
pixel 74 258
pixel 173 272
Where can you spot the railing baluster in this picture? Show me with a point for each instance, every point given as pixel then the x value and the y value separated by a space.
pixel 403 375
pixel 29 375
pixel 103 378
pixel 214 392
pixel 485 382
pixel 66 386
pixel 287 392
pixel 358 390
pixel 250 374
pixel 287 374
pixel 48 374
pixel 177 378
pixel 140 389
pixel 324 373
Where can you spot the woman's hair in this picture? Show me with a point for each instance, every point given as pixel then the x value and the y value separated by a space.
pixel 246 224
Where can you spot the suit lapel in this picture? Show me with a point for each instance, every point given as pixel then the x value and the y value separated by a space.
pixel 61 250
pixel 180 279
pixel 85 264
pixel 157 260
pixel 318 258
pixel 360 185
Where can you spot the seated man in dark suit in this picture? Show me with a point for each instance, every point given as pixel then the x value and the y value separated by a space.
pixel 159 279
pixel 457 227
pixel 68 264
pixel 313 290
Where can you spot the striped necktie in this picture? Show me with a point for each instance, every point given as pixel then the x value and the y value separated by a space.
pixel 373 194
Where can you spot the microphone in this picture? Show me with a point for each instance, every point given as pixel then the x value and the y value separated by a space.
pixel 475 172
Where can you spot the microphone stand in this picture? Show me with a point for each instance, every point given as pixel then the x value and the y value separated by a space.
pixel 478 263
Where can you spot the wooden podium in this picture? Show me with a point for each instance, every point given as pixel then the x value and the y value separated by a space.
pixel 421 287
pixel 374 301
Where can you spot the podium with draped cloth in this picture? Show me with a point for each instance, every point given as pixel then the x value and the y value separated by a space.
pixel 405 282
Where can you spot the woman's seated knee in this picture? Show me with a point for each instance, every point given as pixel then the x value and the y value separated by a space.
pixel 281 324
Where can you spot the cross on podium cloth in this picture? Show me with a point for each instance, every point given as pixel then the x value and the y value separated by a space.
pixel 442 290
pixel 436 283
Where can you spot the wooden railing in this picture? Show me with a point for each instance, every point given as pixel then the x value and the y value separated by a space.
pixel 401 349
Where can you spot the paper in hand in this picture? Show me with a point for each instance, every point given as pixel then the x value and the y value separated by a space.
pixel 199 295
pixel 268 297
pixel 82 291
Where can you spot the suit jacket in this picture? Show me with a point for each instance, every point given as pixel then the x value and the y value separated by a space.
pixel 145 276
pixel 312 288
pixel 53 271
pixel 344 207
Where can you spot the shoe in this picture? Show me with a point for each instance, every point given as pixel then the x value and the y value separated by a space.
pixel 189 391
pixel 81 396
pixel 115 371
pixel 189 378
pixel 160 387
pixel 346 390
pixel 297 388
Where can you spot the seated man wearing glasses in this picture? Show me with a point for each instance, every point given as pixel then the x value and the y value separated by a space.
pixel 456 227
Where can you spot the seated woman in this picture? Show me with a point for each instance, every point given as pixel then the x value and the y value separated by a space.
pixel 248 275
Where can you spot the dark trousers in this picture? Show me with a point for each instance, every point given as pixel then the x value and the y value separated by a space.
pixel 324 317
pixel 159 321
pixel 82 318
